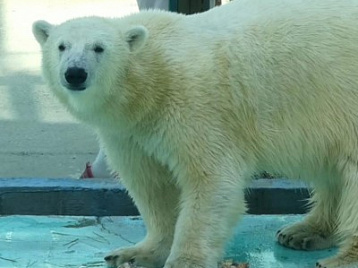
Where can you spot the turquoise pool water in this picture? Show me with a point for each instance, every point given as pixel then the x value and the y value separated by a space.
pixel 81 242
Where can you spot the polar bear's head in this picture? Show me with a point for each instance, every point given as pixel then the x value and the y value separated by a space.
pixel 85 59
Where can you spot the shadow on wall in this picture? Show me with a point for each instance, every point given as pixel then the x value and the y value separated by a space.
pixel 2 26
pixel 18 97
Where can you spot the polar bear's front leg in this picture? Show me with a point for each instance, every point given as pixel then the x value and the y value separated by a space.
pixel 347 218
pixel 156 197
pixel 210 208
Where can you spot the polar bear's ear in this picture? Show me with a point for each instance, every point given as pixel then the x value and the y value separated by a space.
pixel 41 30
pixel 136 37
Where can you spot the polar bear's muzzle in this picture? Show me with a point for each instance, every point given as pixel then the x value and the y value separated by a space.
pixel 75 78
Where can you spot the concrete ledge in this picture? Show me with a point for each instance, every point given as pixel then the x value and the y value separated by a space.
pixel 106 197
pixel 277 196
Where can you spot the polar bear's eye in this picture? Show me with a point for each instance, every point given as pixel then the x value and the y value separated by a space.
pixel 98 49
pixel 61 47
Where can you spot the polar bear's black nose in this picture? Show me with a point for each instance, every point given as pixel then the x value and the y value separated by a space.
pixel 75 77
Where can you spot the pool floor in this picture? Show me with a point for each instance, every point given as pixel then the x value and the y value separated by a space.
pixel 81 242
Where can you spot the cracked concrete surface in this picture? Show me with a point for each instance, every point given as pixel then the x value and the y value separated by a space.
pixel 82 242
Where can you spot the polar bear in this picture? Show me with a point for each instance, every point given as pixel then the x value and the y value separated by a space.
pixel 189 107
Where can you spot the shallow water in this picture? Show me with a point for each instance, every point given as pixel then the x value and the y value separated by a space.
pixel 81 242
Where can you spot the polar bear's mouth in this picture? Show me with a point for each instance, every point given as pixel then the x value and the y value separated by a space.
pixel 75 88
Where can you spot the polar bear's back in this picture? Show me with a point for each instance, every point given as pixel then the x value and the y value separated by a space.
pixel 241 13
pixel 292 69
pixel 281 73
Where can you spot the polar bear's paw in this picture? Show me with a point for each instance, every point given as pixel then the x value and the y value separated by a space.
pixel 302 236
pixel 137 255
pixel 184 263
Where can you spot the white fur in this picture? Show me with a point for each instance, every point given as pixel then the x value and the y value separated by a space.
pixel 192 106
